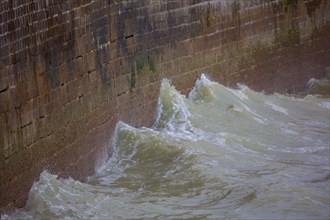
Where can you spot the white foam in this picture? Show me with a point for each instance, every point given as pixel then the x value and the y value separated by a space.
pixel 276 107
pixel 325 105
pixel 201 90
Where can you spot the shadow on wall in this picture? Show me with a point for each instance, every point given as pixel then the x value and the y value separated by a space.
pixel 288 33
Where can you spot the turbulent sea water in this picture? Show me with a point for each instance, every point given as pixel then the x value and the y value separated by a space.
pixel 220 153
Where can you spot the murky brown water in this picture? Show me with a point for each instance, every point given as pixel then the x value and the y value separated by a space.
pixel 220 153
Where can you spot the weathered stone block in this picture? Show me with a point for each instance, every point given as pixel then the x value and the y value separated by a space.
pixel 26 114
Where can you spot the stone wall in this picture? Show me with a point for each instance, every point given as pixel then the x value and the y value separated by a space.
pixel 70 69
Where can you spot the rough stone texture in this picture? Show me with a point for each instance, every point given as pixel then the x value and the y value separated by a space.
pixel 69 69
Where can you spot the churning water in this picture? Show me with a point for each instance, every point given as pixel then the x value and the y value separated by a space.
pixel 220 153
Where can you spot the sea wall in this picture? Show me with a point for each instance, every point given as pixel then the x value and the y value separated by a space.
pixel 70 69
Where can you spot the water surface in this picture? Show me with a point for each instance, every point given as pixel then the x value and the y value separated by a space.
pixel 220 153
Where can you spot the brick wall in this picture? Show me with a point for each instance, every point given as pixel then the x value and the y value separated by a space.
pixel 70 69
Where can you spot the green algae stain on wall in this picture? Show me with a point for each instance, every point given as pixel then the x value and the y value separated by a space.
pixel 132 80
pixel 290 3
pixel 145 64
pixel 287 31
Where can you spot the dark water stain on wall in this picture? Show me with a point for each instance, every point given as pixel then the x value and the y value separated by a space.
pixel 140 38
pixel 136 33
pixel 235 8
pixel 311 7
pixel 286 33
pixel 59 50
pixel 290 3
pixel 101 37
